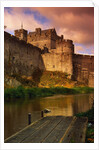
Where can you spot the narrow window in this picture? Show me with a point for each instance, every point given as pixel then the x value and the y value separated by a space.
pixel 53 66
pixel 13 58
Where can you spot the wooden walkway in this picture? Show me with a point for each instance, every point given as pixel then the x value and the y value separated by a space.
pixel 52 129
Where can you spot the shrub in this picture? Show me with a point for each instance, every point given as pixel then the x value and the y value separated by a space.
pixel 22 92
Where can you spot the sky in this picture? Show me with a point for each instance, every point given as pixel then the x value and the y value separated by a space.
pixel 75 23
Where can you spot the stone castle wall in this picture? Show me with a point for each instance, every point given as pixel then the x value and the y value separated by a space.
pixel 40 39
pixel 20 57
pixel 43 38
pixel 60 59
pixel 84 68
pixel 21 34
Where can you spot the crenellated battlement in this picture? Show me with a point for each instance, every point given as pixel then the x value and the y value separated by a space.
pixel 65 46
pixel 40 38
pixel 15 39
pixel 21 34
pixel 65 43
pixel 46 50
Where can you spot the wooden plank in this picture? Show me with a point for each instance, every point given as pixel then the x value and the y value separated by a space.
pixel 58 132
pixel 43 132
pixel 52 129
pixel 23 134
pixel 77 131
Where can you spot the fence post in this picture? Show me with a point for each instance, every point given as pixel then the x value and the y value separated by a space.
pixel 29 118
pixel 42 114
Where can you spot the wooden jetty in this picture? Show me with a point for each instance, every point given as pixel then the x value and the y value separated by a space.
pixel 53 129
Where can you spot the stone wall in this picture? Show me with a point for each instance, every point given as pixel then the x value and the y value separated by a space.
pixel 21 34
pixel 43 38
pixel 84 69
pixel 20 57
pixel 57 55
pixel 60 59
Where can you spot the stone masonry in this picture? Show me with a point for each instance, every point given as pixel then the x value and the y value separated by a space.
pixel 20 57
pixel 45 50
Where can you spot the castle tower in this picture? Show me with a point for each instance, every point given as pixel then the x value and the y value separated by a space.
pixel 65 49
pixel 21 33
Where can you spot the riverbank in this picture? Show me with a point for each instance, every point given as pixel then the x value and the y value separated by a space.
pixel 90 127
pixel 28 93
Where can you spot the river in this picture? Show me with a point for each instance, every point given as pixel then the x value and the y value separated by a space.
pixel 16 114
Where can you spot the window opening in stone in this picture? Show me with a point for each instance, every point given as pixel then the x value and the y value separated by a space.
pixel 53 66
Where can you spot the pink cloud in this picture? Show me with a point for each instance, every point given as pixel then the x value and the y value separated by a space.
pixel 79 48
pixel 13 20
pixel 75 23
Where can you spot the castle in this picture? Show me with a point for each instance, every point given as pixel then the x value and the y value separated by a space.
pixel 45 50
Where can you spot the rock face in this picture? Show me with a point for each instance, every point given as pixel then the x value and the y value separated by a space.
pixel 45 50
pixel 11 82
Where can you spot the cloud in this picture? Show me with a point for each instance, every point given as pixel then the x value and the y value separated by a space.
pixel 75 23
pixel 13 20
pixel 79 48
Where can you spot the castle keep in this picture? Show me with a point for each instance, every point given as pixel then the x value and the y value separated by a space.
pixel 45 50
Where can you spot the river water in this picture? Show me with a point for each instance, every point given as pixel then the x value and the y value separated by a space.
pixel 16 114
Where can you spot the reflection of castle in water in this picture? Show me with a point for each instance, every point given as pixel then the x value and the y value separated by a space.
pixel 83 103
pixel 67 105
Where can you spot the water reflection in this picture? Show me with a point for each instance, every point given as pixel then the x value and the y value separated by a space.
pixel 15 114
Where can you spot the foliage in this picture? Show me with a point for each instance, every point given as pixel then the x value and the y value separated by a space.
pixel 11 93
pixel 21 92
pixel 89 114
pixel 90 129
pixel 90 134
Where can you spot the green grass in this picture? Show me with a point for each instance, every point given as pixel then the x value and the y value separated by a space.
pixel 21 92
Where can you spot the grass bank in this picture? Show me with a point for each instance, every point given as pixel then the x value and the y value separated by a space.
pixel 28 93
pixel 90 127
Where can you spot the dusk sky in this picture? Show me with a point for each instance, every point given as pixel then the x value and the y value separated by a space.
pixel 75 23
